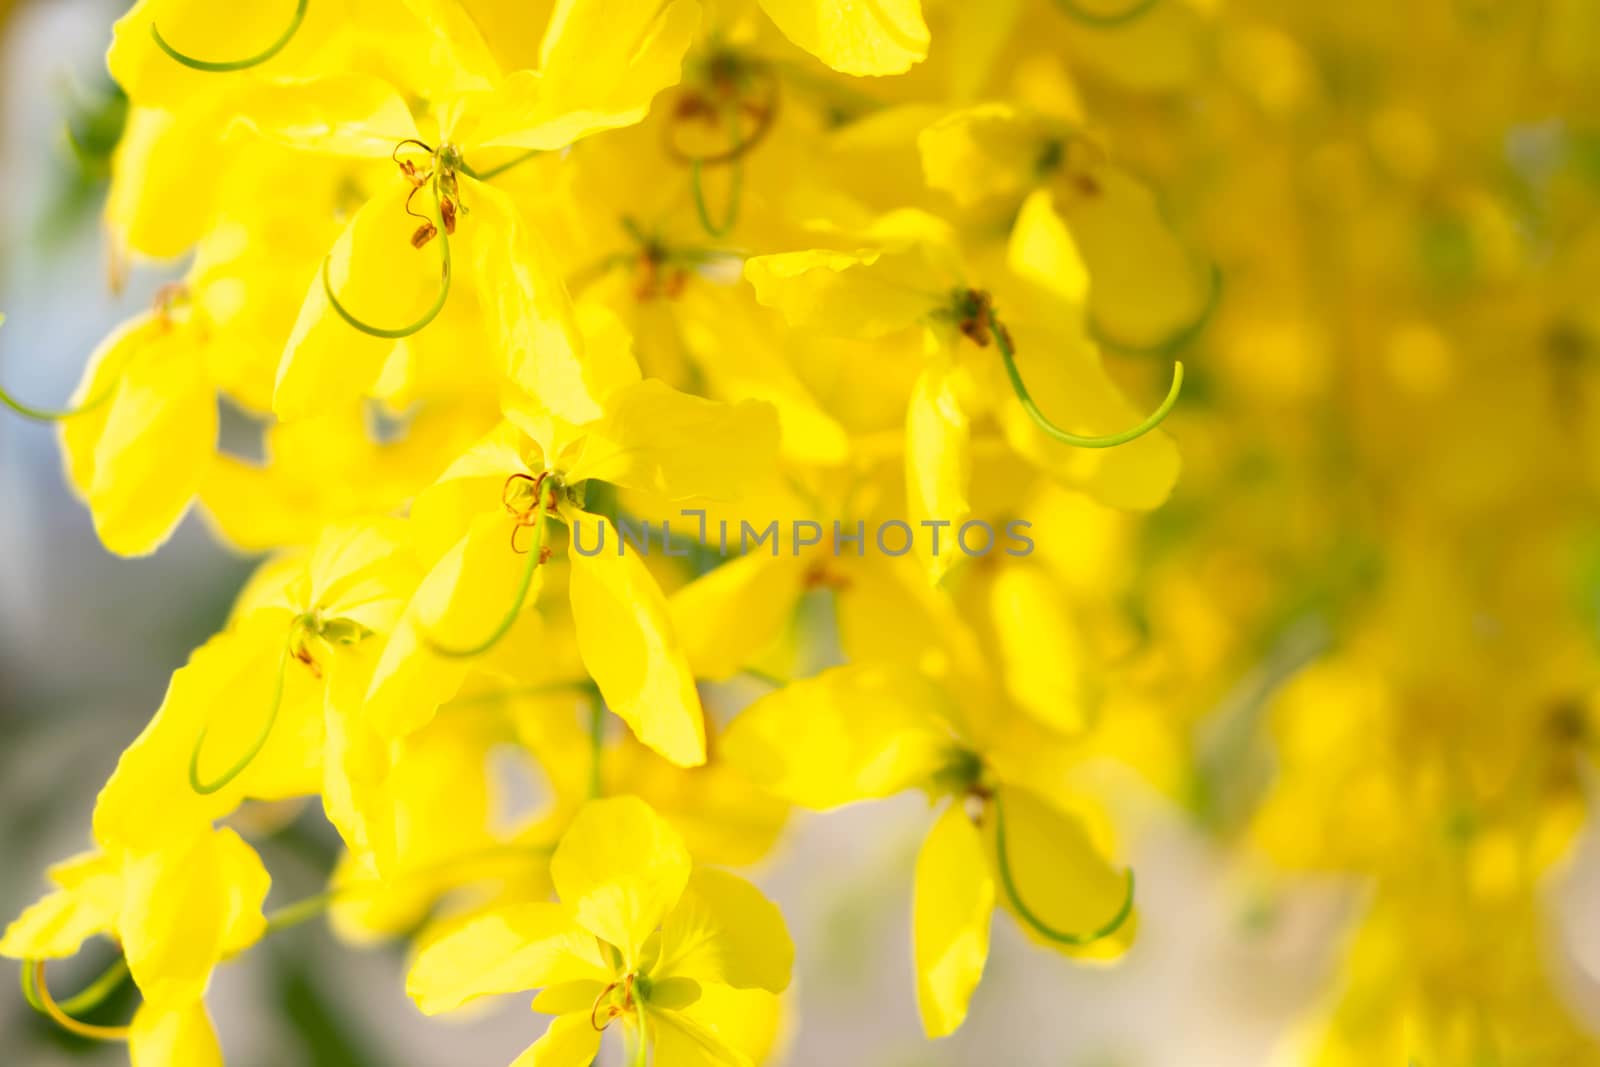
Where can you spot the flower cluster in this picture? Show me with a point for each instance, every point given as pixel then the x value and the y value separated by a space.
pixel 742 406
pixel 483 276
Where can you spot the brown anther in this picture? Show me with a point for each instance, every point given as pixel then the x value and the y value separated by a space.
pixel 545 553
pixel 978 320
pixel 647 278
pixel 168 297
pixel 611 1010
pixel 447 212
pixel 425 233
pixel 409 170
pixel 692 105
pixel 819 576
pixel 736 88
pixel 1086 184
pixel 303 654
pixel 526 516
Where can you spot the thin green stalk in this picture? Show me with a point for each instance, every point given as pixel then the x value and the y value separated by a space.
pixel 210 66
pixel 524 584
pixel 495 172
pixel 39 414
pixel 216 785
pixel 398 333
pixel 1131 12
pixel 1009 357
pixel 1044 929
pixel 597 743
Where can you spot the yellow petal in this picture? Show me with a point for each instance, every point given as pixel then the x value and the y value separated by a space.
pixel 571 1041
pixel 601 63
pixel 865 294
pixel 380 279
pixel 165 1035
pixel 461 601
pixel 697 1040
pixel 155 206
pixel 184 908
pixel 355 763
pixel 57 925
pixel 507 950
pixel 344 114
pixel 950 913
pixel 1145 288
pixel 1040 648
pixel 938 465
pixel 566 997
pixel 1064 374
pixel 625 636
pixel 140 461
pixel 724 930
pixel 207 32
pixel 730 616
pixel 981 153
pixel 1043 250
pixel 654 438
pixel 848 734
pixel 881 37
pixel 525 306
pixel 1060 875
pixel 226 690
pixel 622 869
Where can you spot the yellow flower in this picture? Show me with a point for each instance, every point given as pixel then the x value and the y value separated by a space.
pixel 177 910
pixel 639 935
pixel 865 732
pixel 494 504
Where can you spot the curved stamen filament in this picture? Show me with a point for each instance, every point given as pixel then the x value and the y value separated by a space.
pixel 765 111
pixel 39 414
pixel 536 519
pixel 398 333
pixel 92 996
pixel 1044 929
pixel 208 66
pixel 594 1011
pixel 1121 16
pixel 41 989
pixel 735 191
pixel 216 785
pixel 510 164
pixel 1003 340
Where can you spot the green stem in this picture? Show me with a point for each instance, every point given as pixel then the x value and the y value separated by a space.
pixel 38 414
pixel 206 789
pixel 398 333
pixel 597 741
pixel 525 583
pixel 1003 340
pixel 1027 914
pixel 764 677
pixel 546 689
pixel 208 66
pixel 303 911
pixel 735 190
pixel 495 172
pixel 641 1054
pixel 1106 19
pixel 735 160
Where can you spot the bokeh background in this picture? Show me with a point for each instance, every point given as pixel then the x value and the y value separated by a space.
pixel 1236 958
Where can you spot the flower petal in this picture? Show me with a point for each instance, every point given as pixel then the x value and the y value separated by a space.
pixel 622 868
pixel 951 908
